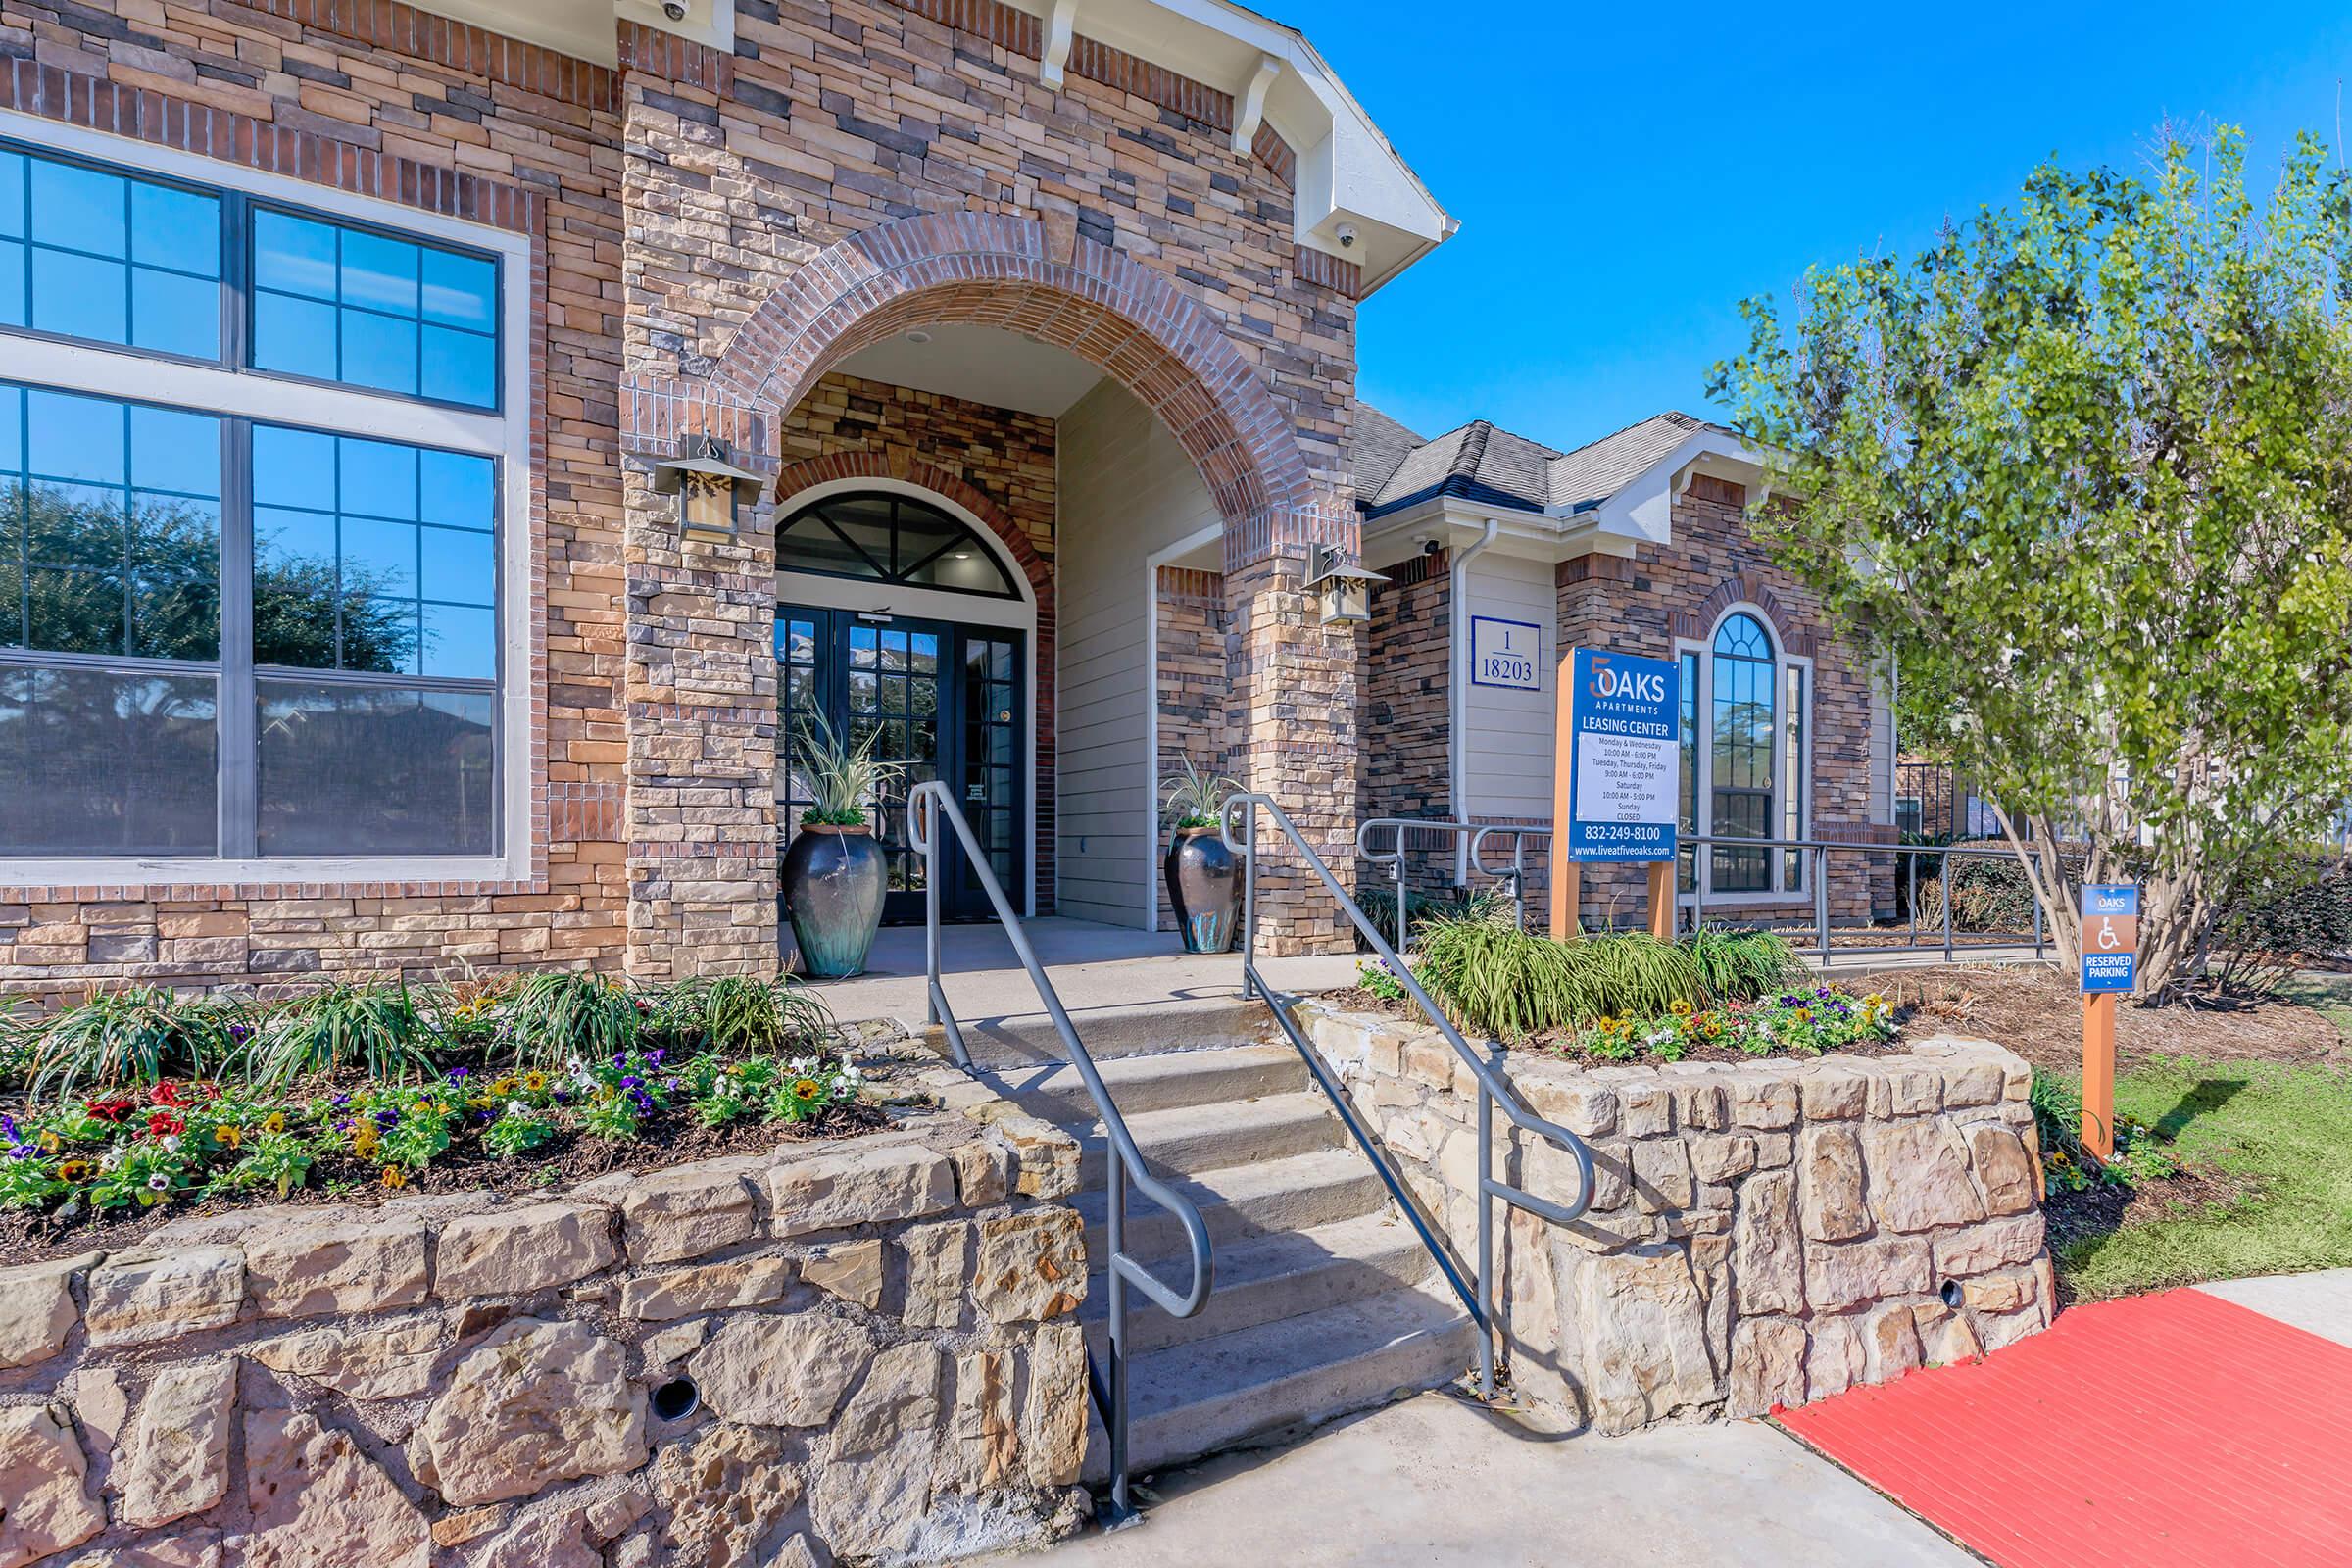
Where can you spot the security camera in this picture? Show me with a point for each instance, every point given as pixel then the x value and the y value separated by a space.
pixel 1347 233
pixel 1430 547
pixel 674 10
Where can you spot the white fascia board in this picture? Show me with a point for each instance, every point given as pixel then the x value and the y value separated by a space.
pixel 1643 511
pixel 581 28
pixel 1451 521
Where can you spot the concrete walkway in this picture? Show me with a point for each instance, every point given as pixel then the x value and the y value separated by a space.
pixel 1435 1481
pixel 1092 966
pixel 2319 1303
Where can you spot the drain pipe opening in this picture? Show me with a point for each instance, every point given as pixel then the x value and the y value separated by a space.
pixel 676 1399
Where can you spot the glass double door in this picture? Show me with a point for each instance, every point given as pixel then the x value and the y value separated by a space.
pixel 938 701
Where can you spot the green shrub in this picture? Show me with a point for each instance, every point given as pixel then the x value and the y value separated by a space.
pixel 2299 909
pixel 1379 903
pixel 1990 892
pixel 134 1035
pixel 1495 980
pixel 739 1014
pixel 551 1018
pixel 371 1024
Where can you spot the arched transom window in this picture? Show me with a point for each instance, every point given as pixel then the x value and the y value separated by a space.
pixel 886 537
pixel 1744 756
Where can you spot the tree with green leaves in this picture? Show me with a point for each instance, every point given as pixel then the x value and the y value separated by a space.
pixel 2081 474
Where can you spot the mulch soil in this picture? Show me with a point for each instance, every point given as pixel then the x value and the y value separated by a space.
pixel 667 1139
pixel 2037 1013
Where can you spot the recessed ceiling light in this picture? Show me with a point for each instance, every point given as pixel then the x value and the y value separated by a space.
pixel 919 336
pixel 964 555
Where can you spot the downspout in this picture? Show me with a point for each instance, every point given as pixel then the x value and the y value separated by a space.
pixel 1457 695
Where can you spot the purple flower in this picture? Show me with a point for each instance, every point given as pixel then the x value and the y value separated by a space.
pixel 655 1056
pixel 563 1096
pixel 238 1031
pixel 632 1081
pixel 8 1128
pixel 342 1101
pixel 645 1102
pixel 21 1151
pixel 620 1062
pixel 387 1119
pixel 456 1075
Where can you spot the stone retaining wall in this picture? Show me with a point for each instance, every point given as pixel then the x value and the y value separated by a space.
pixel 1763 1233
pixel 878 1331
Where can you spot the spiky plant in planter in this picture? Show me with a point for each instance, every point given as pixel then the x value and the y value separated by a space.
pixel 833 873
pixel 1201 872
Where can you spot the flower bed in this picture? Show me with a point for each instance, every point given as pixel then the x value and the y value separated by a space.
pixel 1795 1023
pixel 137 1103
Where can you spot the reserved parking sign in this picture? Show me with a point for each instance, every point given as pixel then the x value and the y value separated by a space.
pixel 2110 938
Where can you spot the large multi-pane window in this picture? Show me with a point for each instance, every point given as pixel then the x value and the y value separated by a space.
pixel 224 636
pixel 110 256
pixel 1744 759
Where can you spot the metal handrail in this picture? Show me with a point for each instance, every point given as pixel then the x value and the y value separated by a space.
pixel 1493 1089
pixel 1477 833
pixel 1818 851
pixel 1126 1161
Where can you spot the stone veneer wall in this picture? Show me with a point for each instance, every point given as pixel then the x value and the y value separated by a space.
pixel 1193 683
pixel 1642 604
pixel 1003 455
pixel 1405 767
pixel 1762 1234
pixel 879 1328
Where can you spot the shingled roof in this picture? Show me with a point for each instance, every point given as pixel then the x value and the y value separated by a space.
pixel 1478 462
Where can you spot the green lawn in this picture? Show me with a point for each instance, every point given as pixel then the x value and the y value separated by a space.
pixel 2285 1130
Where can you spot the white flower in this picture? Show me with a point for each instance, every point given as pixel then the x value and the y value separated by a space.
pixel 850 1074
pixel 515 1107
pixel 112 1161
pixel 171 1144
pixel 159 1183
pixel 801 1066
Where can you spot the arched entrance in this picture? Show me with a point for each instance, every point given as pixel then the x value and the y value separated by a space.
pixel 1291 703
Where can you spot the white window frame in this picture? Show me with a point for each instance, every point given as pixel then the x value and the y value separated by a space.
pixel 1702 864
pixel 117 373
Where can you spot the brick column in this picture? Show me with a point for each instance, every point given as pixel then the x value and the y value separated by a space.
pixel 1292 729
pixel 700 816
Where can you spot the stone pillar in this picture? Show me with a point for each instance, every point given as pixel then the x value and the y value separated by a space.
pixel 1292 729
pixel 701 745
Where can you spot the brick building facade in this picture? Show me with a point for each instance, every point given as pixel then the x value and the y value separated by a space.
pixel 535 267
pixel 1639 543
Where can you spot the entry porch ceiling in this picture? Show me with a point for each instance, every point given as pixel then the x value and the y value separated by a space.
pixel 1356 198
pixel 982 365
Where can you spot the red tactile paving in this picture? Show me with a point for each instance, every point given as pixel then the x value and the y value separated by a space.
pixel 2168 1429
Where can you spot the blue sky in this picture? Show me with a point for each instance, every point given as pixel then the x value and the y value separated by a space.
pixel 1625 175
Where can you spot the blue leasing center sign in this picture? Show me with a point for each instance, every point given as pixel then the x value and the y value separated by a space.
pixel 1625 734
pixel 2110 936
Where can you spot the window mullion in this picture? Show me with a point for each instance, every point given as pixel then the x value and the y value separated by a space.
pixel 234 270
pixel 238 831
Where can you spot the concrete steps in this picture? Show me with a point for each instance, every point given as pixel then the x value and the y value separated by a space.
pixel 1196 1398
pixel 1324 1303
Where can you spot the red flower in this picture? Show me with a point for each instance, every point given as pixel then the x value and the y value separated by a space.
pixel 165 1095
pixel 163 1124
pixel 110 1110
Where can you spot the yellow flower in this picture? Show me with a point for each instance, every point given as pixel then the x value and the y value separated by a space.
pixel 395 1176
pixel 1678 1008
pixel 364 1141
pixel 534 1082
pixel 73 1171
pixel 52 1143
pixel 506 1085
pixel 227 1137
pixel 1805 1016
pixel 275 1123
pixel 1874 999
pixel 807 1087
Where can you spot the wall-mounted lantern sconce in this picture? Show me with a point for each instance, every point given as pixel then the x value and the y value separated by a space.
pixel 711 487
pixel 1345 587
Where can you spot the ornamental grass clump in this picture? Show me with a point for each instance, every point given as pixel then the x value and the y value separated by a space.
pixel 1740 966
pixel 376 1026
pixel 1493 979
pixel 740 1015
pixel 132 1035
pixel 551 1019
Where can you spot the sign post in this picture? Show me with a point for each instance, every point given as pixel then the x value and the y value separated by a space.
pixel 1616 775
pixel 2110 967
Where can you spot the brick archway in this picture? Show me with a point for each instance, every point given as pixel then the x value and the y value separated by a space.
pixel 1017 273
